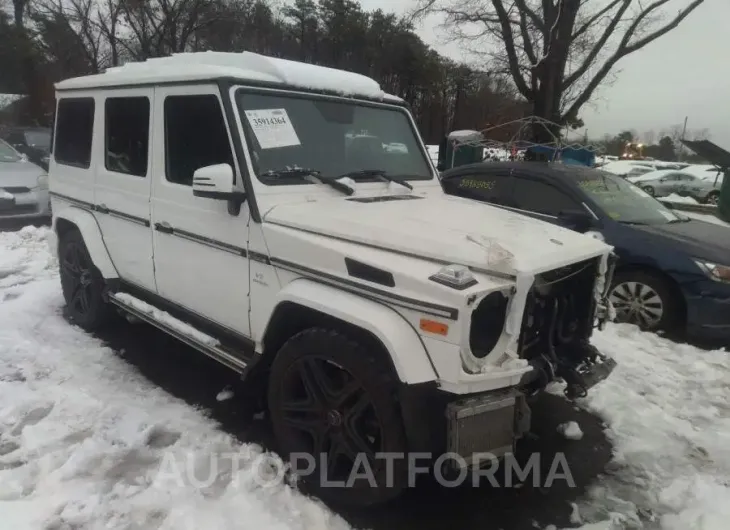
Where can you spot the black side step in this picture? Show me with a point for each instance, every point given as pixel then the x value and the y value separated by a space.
pixel 176 328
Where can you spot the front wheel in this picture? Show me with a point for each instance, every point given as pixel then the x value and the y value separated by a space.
pixel 81 283
pixel 649 190
pixel 332 403
pixel 644 299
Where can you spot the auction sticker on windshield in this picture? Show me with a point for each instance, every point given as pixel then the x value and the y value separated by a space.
pixel 272 128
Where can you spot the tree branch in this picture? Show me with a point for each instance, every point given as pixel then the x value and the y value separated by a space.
pixel 626 48
pixel 509 45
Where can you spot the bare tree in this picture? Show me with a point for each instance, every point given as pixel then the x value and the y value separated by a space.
pixel 558 52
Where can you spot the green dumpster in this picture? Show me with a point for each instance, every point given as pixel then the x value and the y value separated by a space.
pixel 460 148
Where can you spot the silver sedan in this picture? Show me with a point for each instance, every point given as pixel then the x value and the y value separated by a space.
pixel 669 181
pixel 23 188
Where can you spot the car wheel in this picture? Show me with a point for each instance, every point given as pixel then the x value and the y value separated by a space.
pixel 329 398
pixel 82 284
pixel 713 197
pixel 649 190
pixel 644 299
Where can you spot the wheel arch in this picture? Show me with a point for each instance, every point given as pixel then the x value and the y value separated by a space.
pixel 667 278
pixel 77 219
pixel 303 304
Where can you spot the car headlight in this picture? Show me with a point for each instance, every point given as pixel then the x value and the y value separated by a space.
pixel 455 276
pixel 42 182
pixel 720 273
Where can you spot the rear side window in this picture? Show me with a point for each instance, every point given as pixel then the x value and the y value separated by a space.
pixel 127 125
pixel 496 189
pixel 540 197
pixel 195 136
pixel 74 131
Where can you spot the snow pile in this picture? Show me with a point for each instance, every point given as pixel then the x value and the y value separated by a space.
pixel 673 197
pixel 86 442
pixel 667 407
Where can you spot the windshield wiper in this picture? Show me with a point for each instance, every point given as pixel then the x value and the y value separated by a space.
pixel 302 173
pixel 379 173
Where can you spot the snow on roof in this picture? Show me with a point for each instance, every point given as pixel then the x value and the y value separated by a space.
pixel 465 135
pixel 245 66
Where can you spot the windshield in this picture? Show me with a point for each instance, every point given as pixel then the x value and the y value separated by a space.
pixel 623 201
pixel 7 153
pixel 332 138
pixel 39 139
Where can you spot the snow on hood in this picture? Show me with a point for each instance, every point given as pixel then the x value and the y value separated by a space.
pixel 446 229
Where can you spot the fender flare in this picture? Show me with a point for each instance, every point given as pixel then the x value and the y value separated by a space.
pixel 403 344
pixel 90 231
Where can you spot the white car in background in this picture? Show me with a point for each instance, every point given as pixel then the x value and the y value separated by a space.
pixel 23 188
pixel 705 172
pixel 665 182
pixel 635 168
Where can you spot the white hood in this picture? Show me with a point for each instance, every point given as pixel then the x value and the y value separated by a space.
pixel 444 228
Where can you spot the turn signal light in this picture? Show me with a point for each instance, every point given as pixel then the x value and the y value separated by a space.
pixel 431 326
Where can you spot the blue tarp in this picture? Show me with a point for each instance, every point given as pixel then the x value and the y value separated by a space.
pixel 568 155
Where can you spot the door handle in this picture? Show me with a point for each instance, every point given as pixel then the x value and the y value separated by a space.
pixel 164 227
pixel 101 208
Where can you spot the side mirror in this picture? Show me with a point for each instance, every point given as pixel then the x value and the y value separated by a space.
pixel 578 220
pixel 216 182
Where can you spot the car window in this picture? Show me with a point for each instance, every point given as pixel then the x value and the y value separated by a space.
pixel 195 136
pixel 493 188
pixel 74 132
pixel 38 139
pixel 685 177
pixel 127 123
pixel 620 200
pixel 541 197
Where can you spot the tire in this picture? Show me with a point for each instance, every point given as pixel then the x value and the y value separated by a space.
pixel 712 197
pixel 328 395
pixel 649 190
pixel 82 284
pixel 659 309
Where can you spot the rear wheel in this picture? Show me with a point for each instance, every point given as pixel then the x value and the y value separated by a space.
pixel 713 197
pixel 646 300
pixel 330 399
pixel 81 283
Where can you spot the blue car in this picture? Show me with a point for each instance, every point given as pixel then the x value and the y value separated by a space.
pixel 673 272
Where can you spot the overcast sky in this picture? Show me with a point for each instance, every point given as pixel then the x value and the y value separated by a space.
pixel 684 73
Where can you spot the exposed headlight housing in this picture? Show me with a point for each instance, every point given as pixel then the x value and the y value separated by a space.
pixel 42 182
pixel 454 276
pixel 719 273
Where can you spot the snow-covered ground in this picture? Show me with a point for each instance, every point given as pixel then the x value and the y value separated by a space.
pixel 88 442
pixel 706 217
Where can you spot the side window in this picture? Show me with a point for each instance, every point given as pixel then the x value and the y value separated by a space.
pixel 496 189
pixel 540 197
pixel 127 125
pixel 195 136
pixel 74 132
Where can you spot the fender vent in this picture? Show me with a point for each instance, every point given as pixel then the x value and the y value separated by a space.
pixel 363 271
pixel 386 198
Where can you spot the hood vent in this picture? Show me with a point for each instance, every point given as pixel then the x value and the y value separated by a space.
pixel 386 198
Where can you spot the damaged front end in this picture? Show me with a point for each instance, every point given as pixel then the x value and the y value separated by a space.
pixel 561 309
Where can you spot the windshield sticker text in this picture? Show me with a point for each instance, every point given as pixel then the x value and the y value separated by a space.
pixel 272 128
pixel 477 184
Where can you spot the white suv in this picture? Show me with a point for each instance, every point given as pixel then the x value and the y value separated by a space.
pixel 246 205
